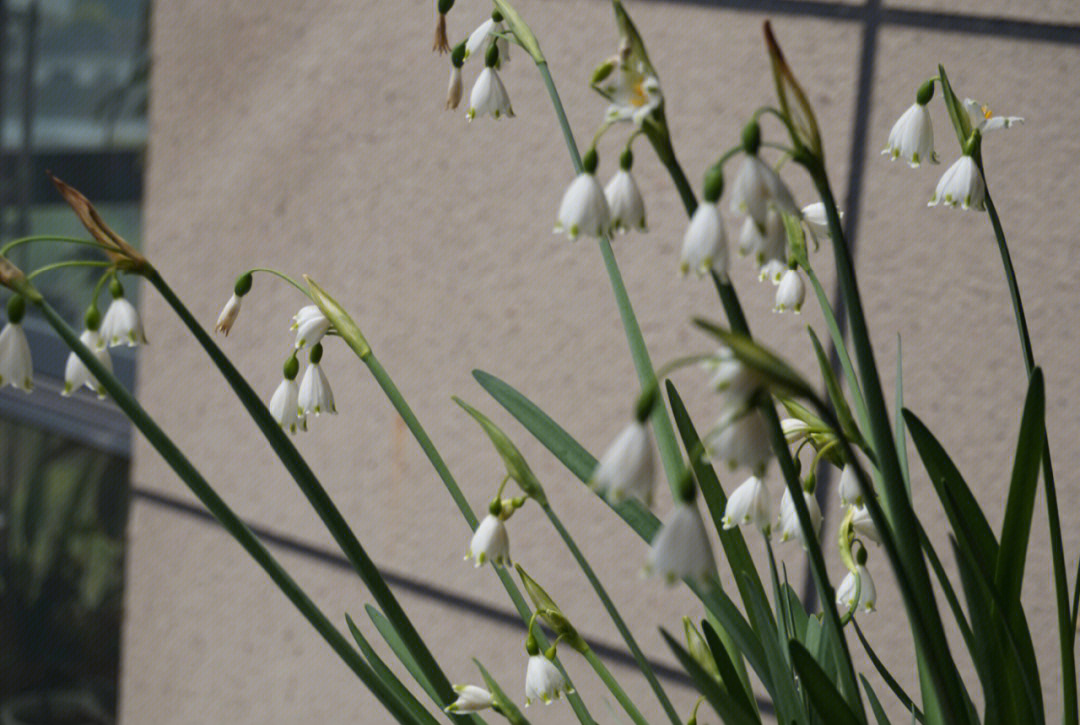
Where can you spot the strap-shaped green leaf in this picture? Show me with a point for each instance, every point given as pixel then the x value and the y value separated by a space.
pixel 887 676
pixel 824 696
pixel 875 705
pixel 836 396
pixel 397 645
pixel 726 706
pixel 957 113
pixel 506 706
pixel 780 376
pixel 1016 528
pixel 728 674
pixel 396 687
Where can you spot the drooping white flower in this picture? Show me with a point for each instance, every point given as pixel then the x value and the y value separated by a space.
pixel 310 325
pixel 741 440
pixel 845 593
pixel 584 209
pixel 482 38
pixel 228 315
pixel 912 137
pixel 816 219
pixel 681 547
pixel 864 525
pixel 626 468
pixel 849 489
pixel 791 293
pixel 625 203
pixel 470 699
pixel 756 187
pixel 121 325
pixel 765 244
pixel 961 185
pixel 285 406
pixel 489 96
pixel 489 542
pixel 794 429
pixel 773 270
pixel 750 503
pixel 16 366
pixel 543 681
pixel 315 396
pixel 76 374
pixel 454 89
pixel 733 378
pixel 704 247
pixel 789 519
pixel 984 120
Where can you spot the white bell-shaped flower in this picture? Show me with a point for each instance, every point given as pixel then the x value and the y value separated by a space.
pixel 285 406
pixel 816 219
pixel 750 503
pixel 310 325
pixel 741 440
pixel 791 292
pixel 584 209
pixel 16 366
pixel 490 542
pixel 789 520
pixel 315 396
pixel 625 203
pixel 681 548
pixel 228 315
pixel 76 374
pixel 483 38
pixel 543 681
pixel 704 247
pixel 773 270
pixel 845 593
pixel 626 468
pixel 470 698
pixel 489 96
pixel 756 187
pixel 794 429
pixel 734 379
pixel 864 525
pixel 912 137
pixel 961 185
pixel 982 118
pixel 848 488
pixel 765 244
pixel 121 325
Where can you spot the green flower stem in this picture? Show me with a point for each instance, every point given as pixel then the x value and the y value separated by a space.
pixel 393 394
pixel 221 511
pixel 614 686
pixel 282 276
pixel 908 562
pixel 315 493
pixel 639 656
pixel 66 264
pixel 665 433
pixel 1066 623
pixel 47 238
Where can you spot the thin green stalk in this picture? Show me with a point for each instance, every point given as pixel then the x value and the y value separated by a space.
pixel 315 493
pixel 393 394
pixel 1066 624
pixel 665 433
pixel 614 686
pixel 47 238
pixel 66 264
pixel 221 511
pixel 624 631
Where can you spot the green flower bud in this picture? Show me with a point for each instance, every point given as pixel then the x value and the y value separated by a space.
pixel 531 646
pixel 714 184
pixel 491 59
pixel 590 160
pixel 860 556
pixel 925 93
pixel 685 489
pixel 751 137
pixel 243 284
pixel 457 55
pixel 291 367
pixel 116 290
pixel 626 160
pixel 92 318
pixel 16 308
pixel 602 71
pixel 444 6
pixel 316 354
pixel 496 16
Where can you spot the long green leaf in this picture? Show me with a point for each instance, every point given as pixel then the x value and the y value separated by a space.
pixel 727 707
pixel 780 376
pixel 895 686
pixel 1016 528
pixel 898 424
pixel 875 705
pixel 729 676
pixel 507 708
pixel 836 395
pixel 824 696
pixel 397 645
pixel 785 697
pixel 406 698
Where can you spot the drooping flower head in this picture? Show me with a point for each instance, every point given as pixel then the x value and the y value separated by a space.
pixel 490 542
pixel 315 396
pixel 626 468
pixel 961 185
pixel 231 310
pixel 485 37
pixel 470 698
pixel 845 593
pixel 704 247
pixel 789 526
pixel 543 681
pixel 750 503
pixel 624 198
pixel 681 548
pixel 584 208
pixel 912 136
pixel 488 95
pixel 791 293
pixel 16 366
pixel 310 325
pixel 740 438
pixel 285 402
pixel 121 325
pixel 76 374
pixel 757 186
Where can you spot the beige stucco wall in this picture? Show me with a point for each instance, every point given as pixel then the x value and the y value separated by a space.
pixel 310 137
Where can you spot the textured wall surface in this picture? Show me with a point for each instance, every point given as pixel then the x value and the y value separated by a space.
pixel 310 137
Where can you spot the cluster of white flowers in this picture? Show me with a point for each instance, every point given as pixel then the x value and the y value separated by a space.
pixel 488 96
pixel 120 326
pixel 595 211
pixel 912 138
